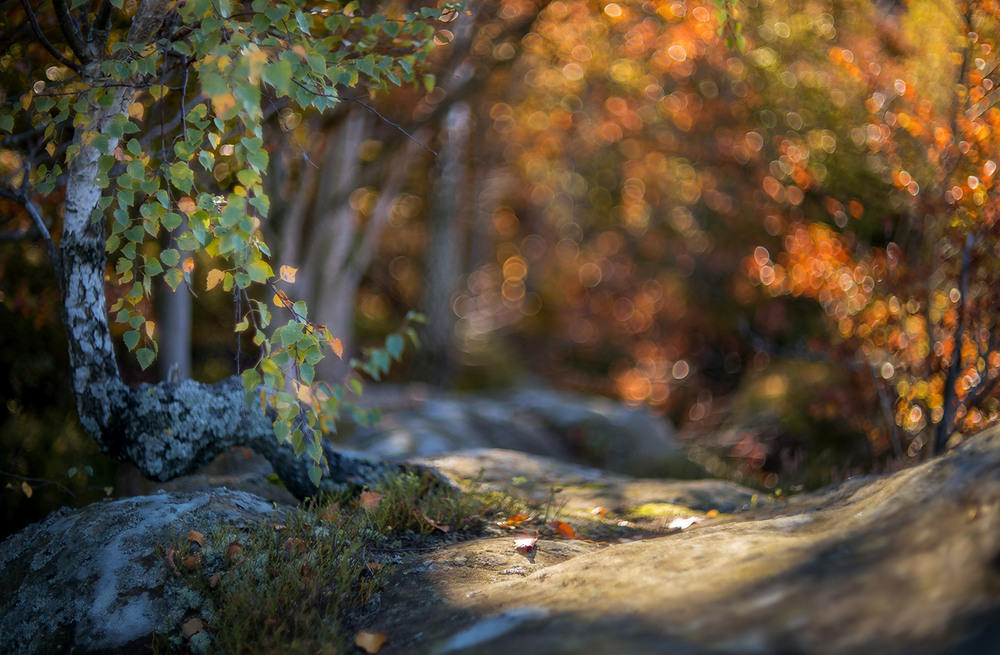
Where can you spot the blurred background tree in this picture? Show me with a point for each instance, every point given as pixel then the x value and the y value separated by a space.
pixel 789 249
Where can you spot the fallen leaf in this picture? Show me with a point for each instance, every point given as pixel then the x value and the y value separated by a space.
pixel 370 642
pixel 369 499
pixel 374 566
pixel 233 550
pixel 213 582
pixel 564 530
pixel 525 544
pixel 711 514
pixel 682 523
pixel 192 627
pixel 193 561
pixel 516 520
pixel 294 545
pixel 329 512
pixel 599 511
pixel 196 537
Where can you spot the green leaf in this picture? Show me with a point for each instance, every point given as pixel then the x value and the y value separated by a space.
pixel 145 357
pixel 315 474
pixel 394 344
pixel 131 339
pixel 315 451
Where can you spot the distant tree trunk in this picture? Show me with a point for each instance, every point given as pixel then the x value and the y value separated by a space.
pixel 331 243
pixel 174 314
pixel 435 360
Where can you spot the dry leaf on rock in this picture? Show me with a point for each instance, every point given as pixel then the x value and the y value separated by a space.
pixel 233 550
pixel 196 537
pixel 525 544
pixel 370 642
pixel 193 562
pixel 294 545
pixel 515 521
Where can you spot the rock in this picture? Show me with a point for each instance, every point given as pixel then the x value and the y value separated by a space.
pixel 575 427
pixel 906 563
pixel 92 580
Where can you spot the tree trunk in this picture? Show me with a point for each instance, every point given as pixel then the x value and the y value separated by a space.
pixel 168 429
pixel 441 259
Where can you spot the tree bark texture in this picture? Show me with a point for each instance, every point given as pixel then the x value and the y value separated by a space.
pixel 168 429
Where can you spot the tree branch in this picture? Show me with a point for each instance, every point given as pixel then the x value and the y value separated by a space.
pixel 36 218
pixel 98 34
pixel 70 31
pixel 950 402
pixel 44 41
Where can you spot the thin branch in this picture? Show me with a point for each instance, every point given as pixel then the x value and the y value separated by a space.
pixel 36 218
pixel 950 401
pixel 70 31
pixel 40 481
pixel 44 41
pixel 369 108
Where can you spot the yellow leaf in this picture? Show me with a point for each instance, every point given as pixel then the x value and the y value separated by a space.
pixel 223 104
pixel 26 488
pixel 336 346
pixel 150 326
pixel 187 205
pixel 214 277
pixel 188 265
pixel 370 642
pixel 304 393
pixel 288 274
pixel 281 300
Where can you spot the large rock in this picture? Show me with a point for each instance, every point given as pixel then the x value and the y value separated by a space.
pixel 92 581
pixel 590 430
pixel 907 564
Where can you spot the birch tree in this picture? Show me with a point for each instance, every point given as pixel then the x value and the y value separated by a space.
pixel 125 120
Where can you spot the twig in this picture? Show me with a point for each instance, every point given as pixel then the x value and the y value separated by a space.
pixel 44 41
pixel 41 481
pixel 70 31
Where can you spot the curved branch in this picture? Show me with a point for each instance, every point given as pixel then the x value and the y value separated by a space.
pixel 70 31
pixel 44 41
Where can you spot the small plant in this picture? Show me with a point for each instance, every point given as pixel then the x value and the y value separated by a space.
pixel 295 584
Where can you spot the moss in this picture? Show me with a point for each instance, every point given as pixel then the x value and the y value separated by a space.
pixel 298 583
pixel 660 511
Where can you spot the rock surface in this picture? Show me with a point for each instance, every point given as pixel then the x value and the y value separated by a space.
pixel 571 427
pixel 93 580
pixel 907 563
